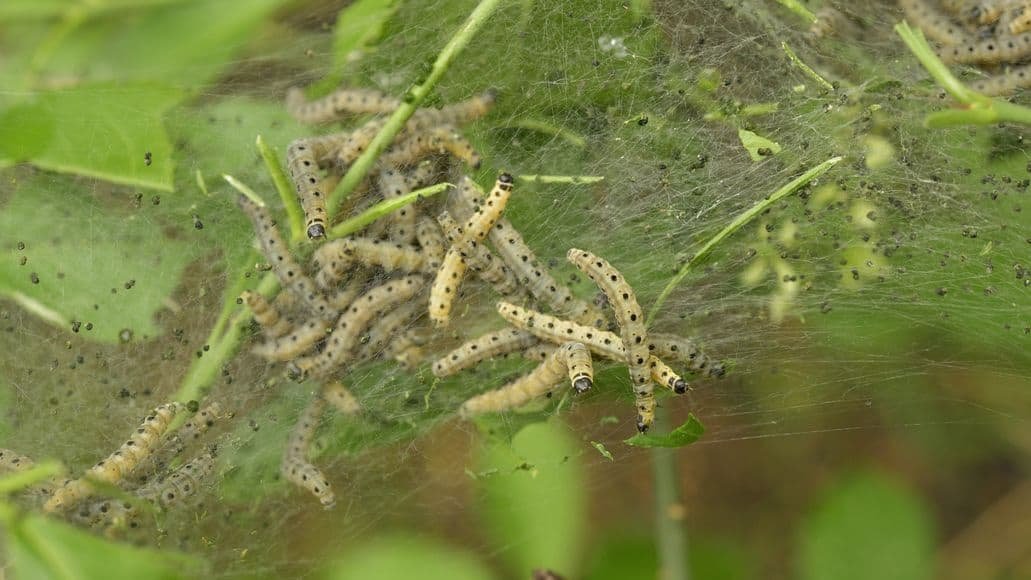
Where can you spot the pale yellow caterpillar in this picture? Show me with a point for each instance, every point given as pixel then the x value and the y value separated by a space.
pixel 452 270
pixel 294 344
pixel 353 322
pixel 14 461
pixel 303 159
pixel 601 342
pixel 400 224
pixel 295 466
pixel 190 431
pixel 289 272
pixel 631 324
pixel 443 139
pixel 513 250
pixel 343 298
pixel 482 261
pixel 337 257
pixel 120 463
pixel 571 360
pixel 267 316
pixel 936 25
pixel 1005 82
pixel 1021 21
pixel 336 394
pixel 407 349
pixel 490 345
pixel 539 352
pixel 345 101
pixel 684 351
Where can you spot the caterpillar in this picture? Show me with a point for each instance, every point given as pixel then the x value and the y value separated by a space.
pixel 190 431
pixel 14 461
pixel 449 277
pixel 1021 22
pixel 571 360
pixel 117 465
pixel 400 223
pixel 407 349
pixel 265 314
pixel 439 139
pixel 181 483
pixel 343 298
pixel 294 344
pixel 1004 83
pixel 539 352
pixel 430 239
pixel 684 351
pixel 295 466
pixel 600 342
pixel 353 322
pixel 482 261
pixel 488 346
pixel 514 251
pixel 336 257
pixel 289 272
pixel 344 101
pixel 336 394
pixel 302 160
pixel 631 324
pixel 936 26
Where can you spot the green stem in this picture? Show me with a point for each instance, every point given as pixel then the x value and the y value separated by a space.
pixel 548 129
pixel 809 72
pixel 796 7
pixel 415 96
pixel 352 225
pixel 672 538
pixel 294 213
pixel 735 225
pixel 23 479
pixel 979 109
pixel 244 189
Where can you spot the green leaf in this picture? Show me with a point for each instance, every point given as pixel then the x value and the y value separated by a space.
pixel 758 147
pixel 109 266
pixel 402 556
pixel 184 43
pixel 38 547
pixel 686 434
pixel 868 527
pixel 540 479
pixel 100 131
pixel 358 26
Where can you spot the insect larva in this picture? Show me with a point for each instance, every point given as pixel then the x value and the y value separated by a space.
pixel 456 114
pixel 289 272
pixel 190 431
pixel 302 160
pixel 631 324
pixel 1021 22
pixel 388 327
pixel 686 352
pixel 357 141
pixel 936 26
pixel 490 345
pixel 601 342
pixel 407 349
pixel 482 261
pixel 14 461
pixel 181 483
pixel 431 241
pixel 443 139
pixel 265 314
pixel 1006 82
pixel 337 104
pixel 539 352
pixel 400 224
pixel 336 257
pixel 295 466
pixel 295 343
pixel 353 322
pixel 513 250
pixel 343 298
pixel 445 286
pixel 336 394
pixel 995 50
pixel 452 270
pixel 572 360
pixel 117 465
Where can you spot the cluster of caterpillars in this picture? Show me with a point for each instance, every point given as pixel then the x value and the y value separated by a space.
pixel 387 291
pixel 994 35
pixel 144 468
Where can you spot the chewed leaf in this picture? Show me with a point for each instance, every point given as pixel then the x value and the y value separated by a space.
pixel 686 434
pixel 758 147
pixel 111 132
pixel 100 271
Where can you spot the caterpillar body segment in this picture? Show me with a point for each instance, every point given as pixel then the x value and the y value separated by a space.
pixel 440 139
pixel 407 349
pixel 335 258
pixel 686 352
pixel 431 241
pixel 571 361
pixel 181 483
pixel 294 344
pixel 1010 79
pixel 289 272
pixel 295 466
pixel 489 211
pixel 490 345
pixel 268 317
pixel 631 324
pixel 665 376
pixel 302 161
pixel 337 104
pixel 539 352
pixel 445 286
pixel 353 322
pixel 936 25
pixel 400 224
pixel 341 398
pixel 456 114
pixel 190 432
pixel 386 329
pixel 119 464
pixel 995 50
